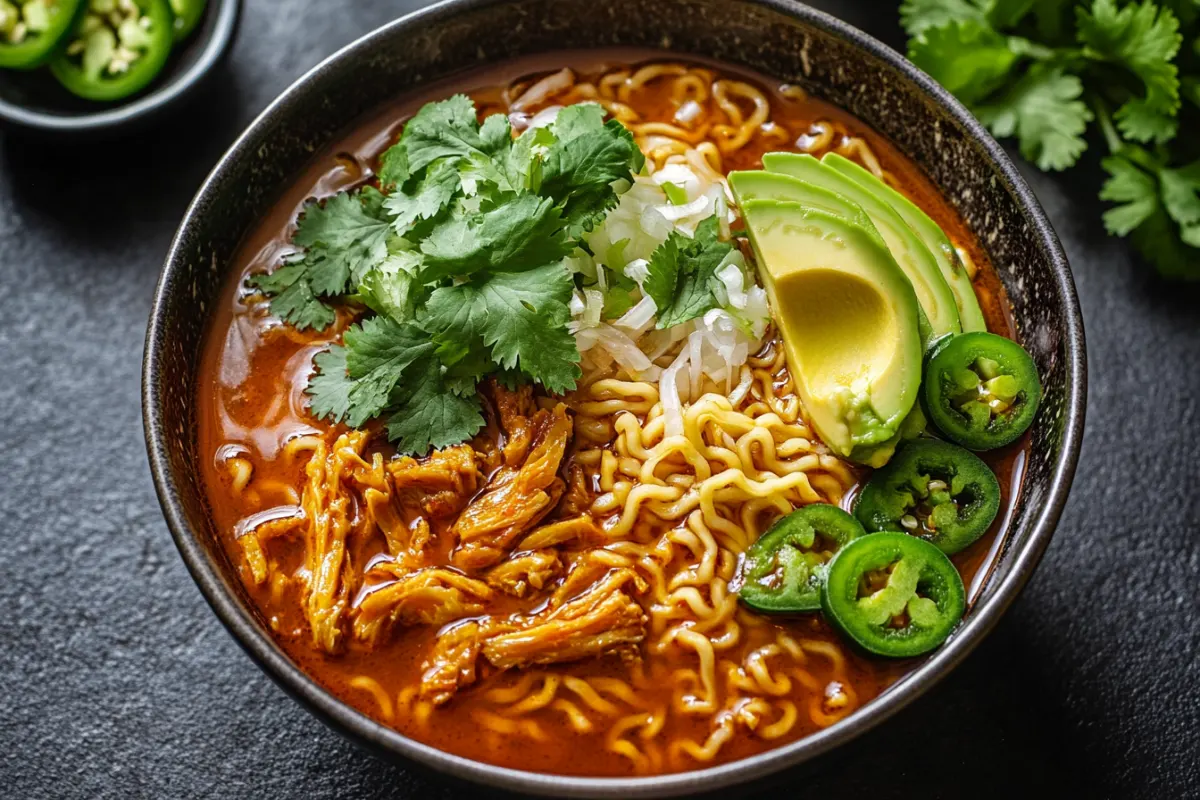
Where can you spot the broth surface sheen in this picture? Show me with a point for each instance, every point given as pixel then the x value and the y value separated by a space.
pixel 252 404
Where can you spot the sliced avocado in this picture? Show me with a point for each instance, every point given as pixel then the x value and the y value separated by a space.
pixel 848 317
pixel 933 293
pixel 935 239
pixel 762 185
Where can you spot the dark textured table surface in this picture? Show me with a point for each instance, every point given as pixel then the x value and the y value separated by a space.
pixel 117 681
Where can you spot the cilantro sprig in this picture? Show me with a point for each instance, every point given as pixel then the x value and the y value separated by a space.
pixel 1046 72
pixel 458 255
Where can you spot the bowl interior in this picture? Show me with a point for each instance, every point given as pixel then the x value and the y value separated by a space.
pixel 775 37
pixel 36 99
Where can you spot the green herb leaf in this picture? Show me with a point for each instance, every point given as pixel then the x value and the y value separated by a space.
pixel 917 16
pixel 682 271
pixel 293 299
pixel 1143 39
pixel 430 414
pixel 521 232
pixel 390 288
pixel 1045 113
pixel 1159 211
pixel 1134 190
pixel 579 168
pixel 443 129
pixel 329 387
pixel 526 325
pixel 378 350
pixel 966 56
pixel 429 198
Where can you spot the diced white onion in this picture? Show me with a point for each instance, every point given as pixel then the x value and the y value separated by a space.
pixel 668 393
pixel 593 307
pixel 637 270
pixel 688 112
pixel 638 319
pixel 625 351
pixel 545 117
pixel 743 388
pixel 577 304
pixel 700 206
pixel 682 177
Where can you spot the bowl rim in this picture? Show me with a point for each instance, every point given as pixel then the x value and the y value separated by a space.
pixel 214 47
pixel 362 729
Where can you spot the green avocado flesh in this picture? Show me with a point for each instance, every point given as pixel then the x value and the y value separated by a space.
pixel 914 258
pixel 848 317
pixel 761 185
pixel 929 232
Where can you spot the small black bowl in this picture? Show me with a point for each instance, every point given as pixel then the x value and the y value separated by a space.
pixel 785 39
pixel 34 101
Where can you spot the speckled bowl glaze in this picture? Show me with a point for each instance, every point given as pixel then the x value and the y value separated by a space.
pixel 776 37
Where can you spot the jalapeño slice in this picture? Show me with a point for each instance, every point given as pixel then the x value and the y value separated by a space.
pixel 934 490
pixel 783 571
pixel 117 48
pixel 892 594
pixel 187 14
pixel 30 30
pixel 982 390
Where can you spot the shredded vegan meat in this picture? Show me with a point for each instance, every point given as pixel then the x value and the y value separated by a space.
pixel 602 620
pixel 427 596
pixel 516 498
pixel 519 574
pixel 451 665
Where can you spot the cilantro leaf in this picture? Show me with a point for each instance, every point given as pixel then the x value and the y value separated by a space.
pixel 293 299
pixel 1143 39
pixel 393 166
pixel 429 198
pixel 1044 111
pixel 523 163
pixel 917 16
pixel 350 227
pixel 391 288
pixel 520 232
pixel 587 156
pixel 966 56
pixel 1151 205
pixel 1179 188
pixel 429 414
pixel 329 387
pixel 355 381
pixel 681 273
pixel 1134 189
pixel 343 239
pixel 456 317
pixel 525 324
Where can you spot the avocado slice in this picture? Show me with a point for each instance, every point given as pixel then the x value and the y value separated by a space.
pixel 933 293
pixel 761 185
pixel 848 317
pixel 930 233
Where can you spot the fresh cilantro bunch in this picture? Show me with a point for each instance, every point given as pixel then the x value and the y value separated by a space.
pixel 459 253
pixel 1043 71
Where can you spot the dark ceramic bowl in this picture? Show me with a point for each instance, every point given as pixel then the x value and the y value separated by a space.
pixel 776 37
pixel 35 102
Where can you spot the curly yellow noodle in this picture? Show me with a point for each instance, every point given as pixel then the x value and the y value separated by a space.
pixel 376 690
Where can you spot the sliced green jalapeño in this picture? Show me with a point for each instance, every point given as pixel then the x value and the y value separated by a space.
pixel 187 14
pixel 30 30
pixel 783 571
pixel 893 594
pixel 982 390
pixel 117 48
pixel 934 490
